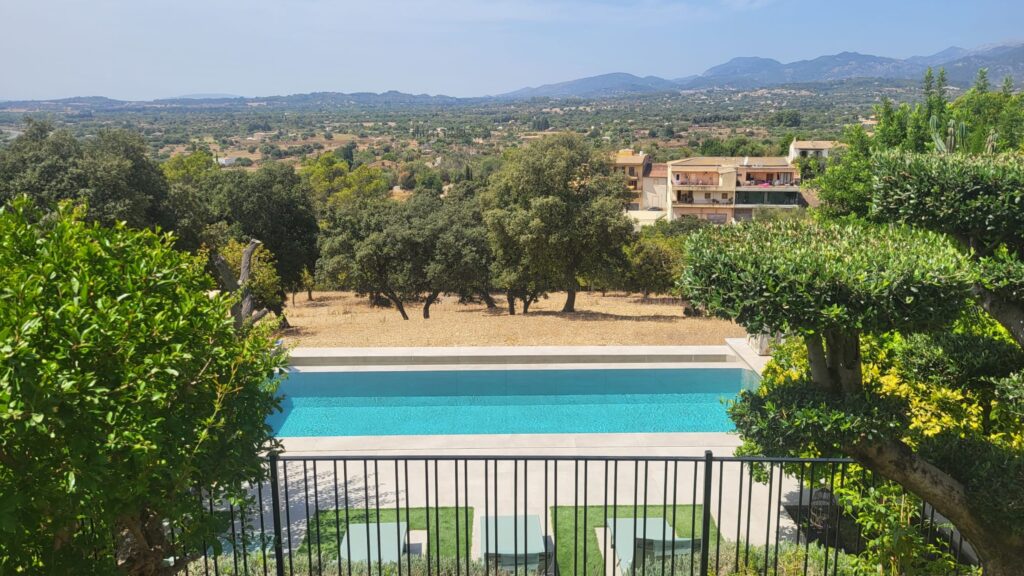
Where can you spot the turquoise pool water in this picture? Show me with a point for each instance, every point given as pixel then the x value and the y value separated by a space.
pixel 508 401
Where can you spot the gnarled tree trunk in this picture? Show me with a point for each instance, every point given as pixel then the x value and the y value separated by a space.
pixel 431 298
pixel 1001 553
pixel 394 299
pixel 836 368
pixel 836 362
pixel 243 312
pixel 142 545
pixel 488 300
pixel 511 298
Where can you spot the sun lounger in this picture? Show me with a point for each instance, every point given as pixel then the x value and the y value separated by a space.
pixel 512 541
pixel 653 538
pixel 361 539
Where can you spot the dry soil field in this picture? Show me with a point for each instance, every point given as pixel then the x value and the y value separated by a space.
pixel 342 319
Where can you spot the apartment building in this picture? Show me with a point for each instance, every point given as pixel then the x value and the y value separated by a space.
pixel 720 189
pixel 727 189
pixel 809 149
pixel 647 182
pixel 634 165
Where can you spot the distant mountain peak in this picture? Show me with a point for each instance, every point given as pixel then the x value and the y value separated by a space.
pixel 603 85
pixel 202 96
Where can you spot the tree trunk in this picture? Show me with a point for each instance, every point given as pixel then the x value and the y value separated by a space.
pixel 431 298
pixel 511 303
pixel 570 298
pixel 1006 313
pixel 486 297
pixel 843 353
pixel 243 312
pixel 309 293
pixel 398 304
pixel 819 365
pixel 142 545
pixel 526 304
pixel 1001 553
pixel 293 298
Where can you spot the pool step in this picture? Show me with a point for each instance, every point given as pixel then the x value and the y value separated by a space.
pixel 511 355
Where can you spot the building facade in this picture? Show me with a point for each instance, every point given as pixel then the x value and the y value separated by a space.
pixel 721 189
pixel 633 165
pixel 809 149
pixel 727 189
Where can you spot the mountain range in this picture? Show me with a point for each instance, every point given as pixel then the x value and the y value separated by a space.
pixel 749 72
pixel 742 73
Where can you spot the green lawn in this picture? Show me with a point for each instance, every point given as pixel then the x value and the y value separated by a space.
pixel 333 528
pixel 593 517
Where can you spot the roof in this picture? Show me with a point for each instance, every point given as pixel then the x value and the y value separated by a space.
pixel 732 162
pixel 659 170
pixel 814 144
pixel 627 156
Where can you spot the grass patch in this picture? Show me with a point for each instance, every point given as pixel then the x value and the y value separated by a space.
pixel 570 560
pixel 442 539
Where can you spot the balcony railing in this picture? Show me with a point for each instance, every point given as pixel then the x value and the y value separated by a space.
pixel 599 516
pixel 704 201
pixel 767 184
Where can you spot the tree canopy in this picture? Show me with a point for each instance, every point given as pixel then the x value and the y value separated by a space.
pixel 112 173
pixel 979 201
pixel 273 206
pixel 557 215
pixel 845 291
pixel 124 385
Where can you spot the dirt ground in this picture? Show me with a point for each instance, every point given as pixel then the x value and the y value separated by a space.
pixel 342 319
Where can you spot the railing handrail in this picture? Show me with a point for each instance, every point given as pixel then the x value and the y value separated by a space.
pixel 559 458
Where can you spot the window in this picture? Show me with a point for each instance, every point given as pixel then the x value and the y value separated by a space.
pixel 725 196
pixel 632 171
pixel 707 195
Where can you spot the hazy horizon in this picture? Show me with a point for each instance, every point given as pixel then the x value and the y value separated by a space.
pixel 142 51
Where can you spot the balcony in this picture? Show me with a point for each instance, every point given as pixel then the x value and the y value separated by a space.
pixel 756 184
pixel 769 197
pixel 691 201
pixel 696 180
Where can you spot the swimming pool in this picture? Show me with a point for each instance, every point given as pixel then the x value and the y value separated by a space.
pixel 508 401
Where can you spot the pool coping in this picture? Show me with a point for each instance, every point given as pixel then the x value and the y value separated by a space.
pixel 560 444
pixel 731 352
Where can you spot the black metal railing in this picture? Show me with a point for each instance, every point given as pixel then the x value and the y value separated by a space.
pixel 586 515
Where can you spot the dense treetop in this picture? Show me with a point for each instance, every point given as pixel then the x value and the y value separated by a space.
pixel 124 385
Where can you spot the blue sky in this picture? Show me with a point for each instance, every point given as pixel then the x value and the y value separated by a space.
pixel 142 49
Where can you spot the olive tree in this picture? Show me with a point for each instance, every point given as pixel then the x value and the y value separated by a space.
pixel 125 388
pixel 368 245
pixel 830 285
pixel 559 202
pixel 452 242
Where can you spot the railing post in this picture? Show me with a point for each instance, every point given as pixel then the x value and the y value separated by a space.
pixel 275 500
pixel 705 523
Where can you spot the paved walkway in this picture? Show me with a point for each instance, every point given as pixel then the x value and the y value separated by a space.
pixel 743 510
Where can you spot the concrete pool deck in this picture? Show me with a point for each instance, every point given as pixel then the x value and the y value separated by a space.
pixel 632 444
pixel 337 358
